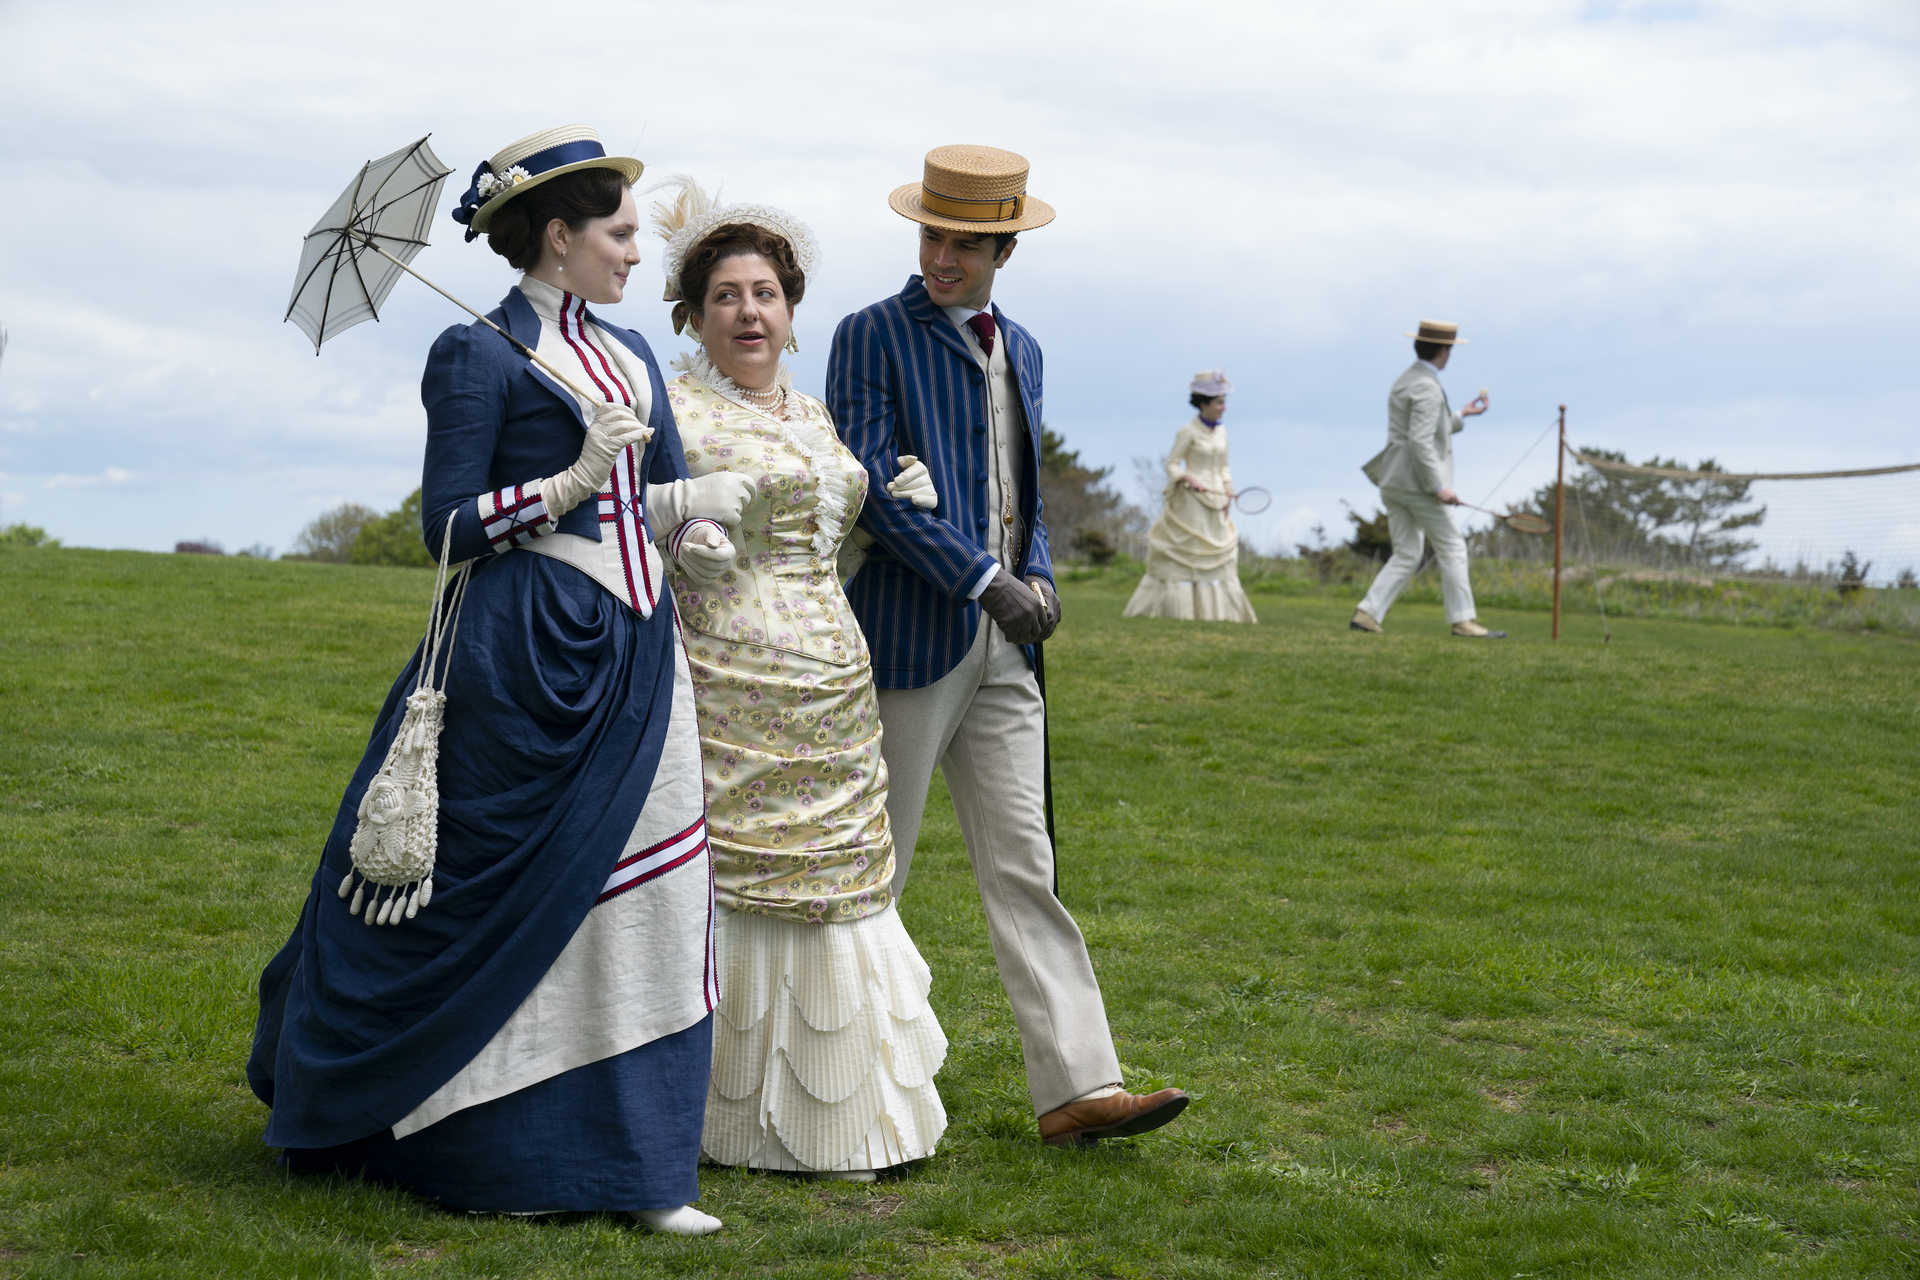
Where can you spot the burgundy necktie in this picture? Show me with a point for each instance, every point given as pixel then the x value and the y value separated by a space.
pixel 981 322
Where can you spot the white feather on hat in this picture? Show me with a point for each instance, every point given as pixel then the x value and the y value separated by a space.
pixel 685 220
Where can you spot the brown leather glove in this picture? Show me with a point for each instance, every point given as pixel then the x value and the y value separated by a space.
pixel 1045 588
pixel 1019 610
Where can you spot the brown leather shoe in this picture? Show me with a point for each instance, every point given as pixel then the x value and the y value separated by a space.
pixel 1118 1115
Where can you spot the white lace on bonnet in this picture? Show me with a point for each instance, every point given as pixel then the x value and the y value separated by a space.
pixel 686 219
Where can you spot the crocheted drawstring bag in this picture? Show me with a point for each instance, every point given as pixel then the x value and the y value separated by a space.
pixel 393 846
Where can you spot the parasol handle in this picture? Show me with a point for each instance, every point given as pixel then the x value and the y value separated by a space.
pixel 518 345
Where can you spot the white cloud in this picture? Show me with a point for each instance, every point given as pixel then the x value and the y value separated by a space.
pixel 1690 222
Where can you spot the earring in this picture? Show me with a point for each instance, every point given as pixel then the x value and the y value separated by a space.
pixel 793 343
pixel 563 263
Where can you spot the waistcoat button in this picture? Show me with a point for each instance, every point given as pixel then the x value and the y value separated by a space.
pixel 980 523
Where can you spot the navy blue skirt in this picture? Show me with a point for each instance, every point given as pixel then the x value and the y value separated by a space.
pixel 559 697
pixel 619 1134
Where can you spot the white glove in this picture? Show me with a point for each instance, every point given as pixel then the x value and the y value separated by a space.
pixel 613 428
pixel 704 554
pixel 914 483
pixel 721 496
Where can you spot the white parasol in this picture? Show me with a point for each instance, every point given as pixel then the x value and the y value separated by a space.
pixel 354 255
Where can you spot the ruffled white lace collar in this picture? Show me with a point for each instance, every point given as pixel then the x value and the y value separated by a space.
pixel 697 364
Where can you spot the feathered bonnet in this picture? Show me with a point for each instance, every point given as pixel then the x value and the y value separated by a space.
pixel 685 220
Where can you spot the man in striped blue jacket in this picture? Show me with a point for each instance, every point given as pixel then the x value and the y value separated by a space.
pixel 953 600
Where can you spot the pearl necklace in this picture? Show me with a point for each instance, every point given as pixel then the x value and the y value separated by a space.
pixel 770 401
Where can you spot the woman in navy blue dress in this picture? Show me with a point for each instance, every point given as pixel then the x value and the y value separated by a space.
pixel 538 1037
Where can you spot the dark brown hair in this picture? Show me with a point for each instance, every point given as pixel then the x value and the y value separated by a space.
pixel 1199 401
pixel 518 229
pixel 1428 350
pixel 735 240
pixel 1001 239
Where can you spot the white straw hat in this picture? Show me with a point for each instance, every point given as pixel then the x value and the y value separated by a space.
pixel 1440 333
pixel 1210 383
pixel 530 161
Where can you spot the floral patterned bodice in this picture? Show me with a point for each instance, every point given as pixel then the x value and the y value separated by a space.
pixel 782 591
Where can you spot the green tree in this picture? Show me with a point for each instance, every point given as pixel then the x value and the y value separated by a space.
pixel 393 539
pixel 1627 517
pixel 1082 513
pixel 331 534
pixel 1371 536
pixel 26 535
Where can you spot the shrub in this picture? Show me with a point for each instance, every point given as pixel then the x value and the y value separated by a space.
pixel 1095 546
pixel 202 547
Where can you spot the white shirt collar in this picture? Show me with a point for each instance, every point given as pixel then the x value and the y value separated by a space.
pixel 545 298
pixel 1429 366
pixel 960 315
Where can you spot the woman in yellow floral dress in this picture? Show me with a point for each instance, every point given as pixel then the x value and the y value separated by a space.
pixel 825 1047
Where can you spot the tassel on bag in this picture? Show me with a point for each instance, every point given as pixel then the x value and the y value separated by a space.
pixel 393 846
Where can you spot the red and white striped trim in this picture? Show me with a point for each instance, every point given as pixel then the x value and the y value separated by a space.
pixel 573 327
pixel 650 864
pixel 621 503
pixel 513 517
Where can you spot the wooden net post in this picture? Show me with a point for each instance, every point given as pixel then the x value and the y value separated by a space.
pixel 1559 519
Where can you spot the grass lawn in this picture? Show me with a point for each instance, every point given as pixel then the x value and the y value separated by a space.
pixel 1488 960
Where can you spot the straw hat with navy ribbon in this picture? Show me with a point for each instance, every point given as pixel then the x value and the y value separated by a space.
pixel 969 188
pixel 532 160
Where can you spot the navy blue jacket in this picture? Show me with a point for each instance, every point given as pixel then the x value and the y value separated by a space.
pixel 901 379
pixel 494 418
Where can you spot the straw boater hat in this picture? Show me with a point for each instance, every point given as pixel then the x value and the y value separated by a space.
pixel 525 164
pixel 1440 333
pixel 1210 383
pixel 968 188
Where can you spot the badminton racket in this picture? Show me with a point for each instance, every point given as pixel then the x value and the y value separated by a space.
pixel 1251 500
pixel 1518 521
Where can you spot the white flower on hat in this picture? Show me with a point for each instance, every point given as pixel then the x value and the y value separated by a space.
pixel 492 184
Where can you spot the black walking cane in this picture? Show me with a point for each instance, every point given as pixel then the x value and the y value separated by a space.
pixel 1046 756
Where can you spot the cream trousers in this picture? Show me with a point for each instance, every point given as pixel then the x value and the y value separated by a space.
pixel 981 724
pixel 1415 518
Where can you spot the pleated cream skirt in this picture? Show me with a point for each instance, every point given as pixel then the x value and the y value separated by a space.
pixel 825 1047
pixel 1222 600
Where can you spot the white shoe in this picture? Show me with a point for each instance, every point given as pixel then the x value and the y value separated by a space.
pixel 684 1221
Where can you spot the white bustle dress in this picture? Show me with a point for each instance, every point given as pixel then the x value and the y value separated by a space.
pixel 1193 549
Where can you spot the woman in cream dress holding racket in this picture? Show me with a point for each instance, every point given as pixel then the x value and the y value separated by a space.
pixel 825 1047
pixel 1193 550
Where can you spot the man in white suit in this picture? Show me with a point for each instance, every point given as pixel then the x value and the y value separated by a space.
pixel 1415 475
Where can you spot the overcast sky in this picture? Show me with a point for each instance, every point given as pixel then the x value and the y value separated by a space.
pixel 1693 223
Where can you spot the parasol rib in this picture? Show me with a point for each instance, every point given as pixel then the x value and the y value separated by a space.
pixel 518 345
